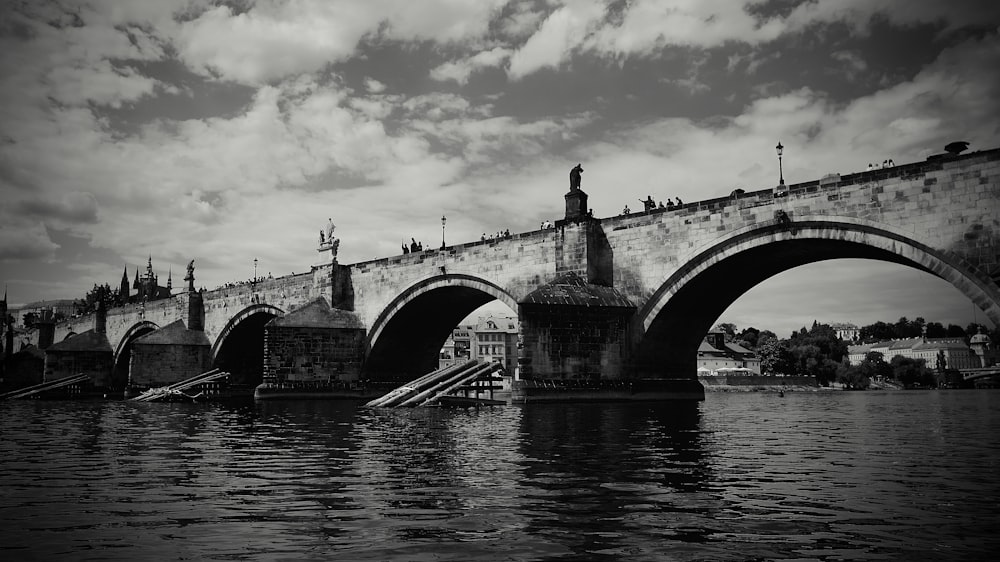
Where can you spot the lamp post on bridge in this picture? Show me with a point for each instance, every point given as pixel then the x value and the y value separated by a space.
pixel 443 220
pixel 781 175
pixel 255 270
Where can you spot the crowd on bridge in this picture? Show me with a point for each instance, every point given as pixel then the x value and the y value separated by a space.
pixel 251 281
pixel 413 247
pixel 648 204
pixel 885 164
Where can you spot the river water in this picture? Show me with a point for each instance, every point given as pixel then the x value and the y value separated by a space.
pixel 911 475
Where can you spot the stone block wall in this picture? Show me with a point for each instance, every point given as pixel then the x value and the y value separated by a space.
pixel 951 205
pixel 517 264
pixel 160 365
pixel 573 342
pixel 312 354
pixel 284 293
pixel 97 364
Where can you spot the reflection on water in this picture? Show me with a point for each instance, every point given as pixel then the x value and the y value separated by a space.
pixel 811 476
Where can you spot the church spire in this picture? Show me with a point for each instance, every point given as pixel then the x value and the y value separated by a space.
pixel 123 290
pixel 169 283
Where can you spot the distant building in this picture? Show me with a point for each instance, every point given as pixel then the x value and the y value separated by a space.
pixel 957 354
pixel 491 339
pixel 146 286
pixel 716 356
pixel 64 307
pixel 496 340
pixel 457 347
pixel 846 332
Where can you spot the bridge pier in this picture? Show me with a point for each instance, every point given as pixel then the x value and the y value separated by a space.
pixel 176 352
pixel 315 351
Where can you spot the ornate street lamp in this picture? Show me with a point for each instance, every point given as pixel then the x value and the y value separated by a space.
pixel 443 220
pixel 255 270
pixel 781 175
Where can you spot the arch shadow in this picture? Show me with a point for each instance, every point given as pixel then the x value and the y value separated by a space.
pixel 239 348
pixel 405 339
pixel 673 321
pixel 123 351
pixel 238 318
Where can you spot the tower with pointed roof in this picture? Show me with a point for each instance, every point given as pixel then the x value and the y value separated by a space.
pixel 123 289
pixel 147 285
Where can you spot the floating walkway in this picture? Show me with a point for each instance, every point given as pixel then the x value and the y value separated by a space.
pixel 441 386
pixel 44 387
pixel 176 391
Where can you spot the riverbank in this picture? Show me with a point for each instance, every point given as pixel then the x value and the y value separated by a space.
pixel 760 383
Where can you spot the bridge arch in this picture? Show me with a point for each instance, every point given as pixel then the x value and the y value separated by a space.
pixel 123 351
pixel 404 340
pixel 239 348
pixel 673 321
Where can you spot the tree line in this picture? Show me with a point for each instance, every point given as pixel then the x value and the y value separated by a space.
pixel 819 353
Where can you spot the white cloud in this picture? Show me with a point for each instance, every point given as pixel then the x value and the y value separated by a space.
pixel 560 34
pixel 648 25
pixel 645 27
pixel 951 99
pixel 522 21
pixel 274 40
pixel 101 84
pixel 460 70
pixel 374 86
pixel 858 14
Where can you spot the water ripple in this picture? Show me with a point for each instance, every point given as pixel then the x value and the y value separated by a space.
pixel 812 476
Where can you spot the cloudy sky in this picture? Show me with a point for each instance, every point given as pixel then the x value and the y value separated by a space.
pixel 228 131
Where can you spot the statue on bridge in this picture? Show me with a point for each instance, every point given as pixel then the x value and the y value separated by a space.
pixel 575 175
pixel 327 243
pixel 190 276
pixel 329 231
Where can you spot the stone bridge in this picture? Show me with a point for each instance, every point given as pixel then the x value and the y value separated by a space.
pixel 625 297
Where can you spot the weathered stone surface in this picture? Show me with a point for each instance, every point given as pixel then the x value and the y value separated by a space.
pixel 571 329
pixel 681 268
pixel 171 354
pixel 88 353
pixel 314 343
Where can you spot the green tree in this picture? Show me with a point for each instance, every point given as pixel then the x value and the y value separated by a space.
pixel 774 355
pixel 873 366
pixel 955 331
pixel 100 293
pixel 912 371
pixel 879 331
pixel 748 338
pixel 817 352
pixel 727 328
pixel 851 376
pixel 936 330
